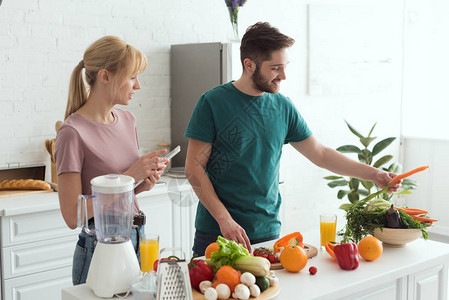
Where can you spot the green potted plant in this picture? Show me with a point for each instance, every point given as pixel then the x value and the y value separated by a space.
pixel 363 217
pixel 354 189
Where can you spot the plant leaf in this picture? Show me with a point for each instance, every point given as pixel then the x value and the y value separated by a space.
pixel 354 183
pixel 335 183
pixel 404 192
pixel 382 160
pixel 371 131
pixel 345 206
pixel 342 193
pixel 363 192
pixel 364 155
pixel 367 184
pixel 353 130
pixel 353 197
pixel 382 145
pixel 349 149
pixel 366 140
pixel 409 184
pixel 333 177
pixel 395 168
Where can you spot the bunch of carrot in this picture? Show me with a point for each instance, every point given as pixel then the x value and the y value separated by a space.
pixel 417 214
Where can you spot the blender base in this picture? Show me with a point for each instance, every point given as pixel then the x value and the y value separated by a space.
pixel 112 269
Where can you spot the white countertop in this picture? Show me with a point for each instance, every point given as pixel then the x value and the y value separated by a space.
pixel 330 279
pixel 49 201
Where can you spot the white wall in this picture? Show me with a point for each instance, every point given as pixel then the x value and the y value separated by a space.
pixel 346 64
pixel 426 66
pixel 424 115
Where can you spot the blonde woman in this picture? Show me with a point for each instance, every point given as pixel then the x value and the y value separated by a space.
pixel 98 139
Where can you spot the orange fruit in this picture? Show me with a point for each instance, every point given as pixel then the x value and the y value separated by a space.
pixel 213 247
pixel 293 258
pixel 370 248
pixel 229 276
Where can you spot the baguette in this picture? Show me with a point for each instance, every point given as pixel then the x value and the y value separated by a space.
pixel 24 184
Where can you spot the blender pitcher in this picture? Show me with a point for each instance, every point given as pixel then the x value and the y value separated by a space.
pixel 113 205
pixel 114 264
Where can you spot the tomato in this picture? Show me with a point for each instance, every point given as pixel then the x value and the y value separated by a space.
pixel 272 258
pixel 156 262
pixel 265 253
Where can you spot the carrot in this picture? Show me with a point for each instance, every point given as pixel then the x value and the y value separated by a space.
pixel 398 178
pixel 413 211
pixel 424 219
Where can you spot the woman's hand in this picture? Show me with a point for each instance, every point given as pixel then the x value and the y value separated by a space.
pixel 148 167
pixel 148 183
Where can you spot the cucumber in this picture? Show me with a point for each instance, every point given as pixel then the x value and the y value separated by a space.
pixel 262 282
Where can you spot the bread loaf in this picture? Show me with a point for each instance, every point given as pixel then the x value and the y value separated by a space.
pixel 24 184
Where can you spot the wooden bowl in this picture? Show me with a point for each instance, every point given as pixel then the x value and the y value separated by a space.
pixel 395 237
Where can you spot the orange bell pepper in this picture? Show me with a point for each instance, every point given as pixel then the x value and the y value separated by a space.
pixel 330 249
pixel 283 241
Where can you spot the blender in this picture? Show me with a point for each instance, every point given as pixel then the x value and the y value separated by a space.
pixel 114 263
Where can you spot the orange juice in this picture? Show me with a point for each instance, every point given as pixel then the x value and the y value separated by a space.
pixel 327 231
pixel 149 251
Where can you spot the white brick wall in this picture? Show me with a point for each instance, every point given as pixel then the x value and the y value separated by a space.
pixel 42 41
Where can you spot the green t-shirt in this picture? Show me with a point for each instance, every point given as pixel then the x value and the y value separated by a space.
pixel 247 133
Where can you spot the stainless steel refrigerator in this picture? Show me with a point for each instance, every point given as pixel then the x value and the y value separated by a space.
pixel 195 69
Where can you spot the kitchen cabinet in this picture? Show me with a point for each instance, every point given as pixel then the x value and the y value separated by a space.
pixel 417 271
pixel 37 246
pixel 36 252
pixel 171 213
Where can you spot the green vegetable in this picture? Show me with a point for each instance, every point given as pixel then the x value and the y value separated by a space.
pixel 262 282
pixel 256 265
pixel 377 203
pixel 235 255
pixel 228 253
pixel 361 222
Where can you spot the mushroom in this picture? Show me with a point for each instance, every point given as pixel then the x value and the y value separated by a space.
pixel 242 291
pixel 210 294
pixel 204 285
pixel 223 291
pixel 273 280
pixel 248 279
pixel 254 290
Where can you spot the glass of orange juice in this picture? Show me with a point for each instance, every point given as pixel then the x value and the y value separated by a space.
pixel 328 227
pixel 149 251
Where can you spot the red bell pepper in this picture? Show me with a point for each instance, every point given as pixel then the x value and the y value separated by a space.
pixel 347 255
pixel 199 271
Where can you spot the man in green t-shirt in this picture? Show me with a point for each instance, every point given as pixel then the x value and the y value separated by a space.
pixel 236 133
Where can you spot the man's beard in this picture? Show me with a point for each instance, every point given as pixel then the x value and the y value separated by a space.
pixel 261 84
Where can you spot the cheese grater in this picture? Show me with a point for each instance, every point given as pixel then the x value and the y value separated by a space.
pixel 173 280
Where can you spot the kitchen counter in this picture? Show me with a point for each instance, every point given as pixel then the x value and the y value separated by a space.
pixel 419 268
pixel 45 201
pixel 37 247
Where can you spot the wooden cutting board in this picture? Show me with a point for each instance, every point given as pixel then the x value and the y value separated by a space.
pixel 269 293
pixel 310 250
pixel 15 193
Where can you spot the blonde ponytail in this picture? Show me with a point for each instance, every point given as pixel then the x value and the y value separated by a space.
pixel 110 53
pixel 77 91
